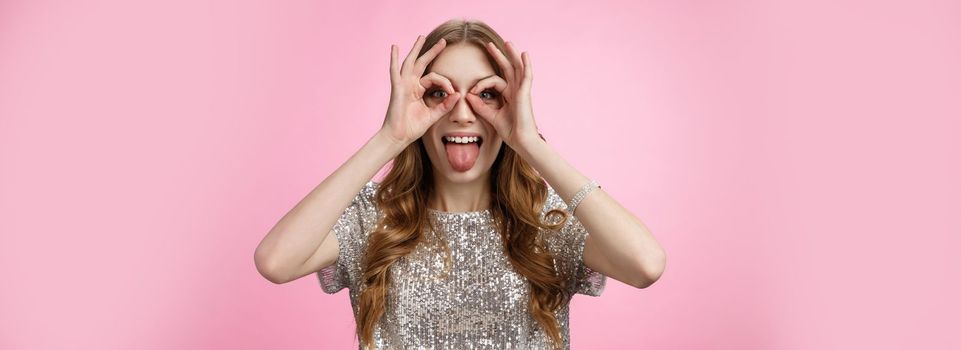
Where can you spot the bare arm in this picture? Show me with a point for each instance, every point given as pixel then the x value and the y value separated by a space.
pixel 301 243
pixel 293 247
pixel 619 244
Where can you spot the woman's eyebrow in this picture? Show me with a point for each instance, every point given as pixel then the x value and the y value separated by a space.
pixel 472 83
pixel 482 78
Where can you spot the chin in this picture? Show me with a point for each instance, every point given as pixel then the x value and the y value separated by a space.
pixel 477 172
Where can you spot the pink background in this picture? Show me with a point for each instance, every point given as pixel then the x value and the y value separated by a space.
pixel 799 161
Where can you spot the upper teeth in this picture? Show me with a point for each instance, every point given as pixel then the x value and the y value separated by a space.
pixel 461 139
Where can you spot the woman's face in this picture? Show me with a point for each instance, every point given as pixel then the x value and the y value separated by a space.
pixel 464 64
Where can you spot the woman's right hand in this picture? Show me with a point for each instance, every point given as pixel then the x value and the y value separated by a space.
pixel 408 116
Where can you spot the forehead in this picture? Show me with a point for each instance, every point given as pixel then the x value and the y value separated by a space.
pixel 463 63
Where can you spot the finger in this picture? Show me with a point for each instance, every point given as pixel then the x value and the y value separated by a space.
pixel 515 60
pixel 501 61
pixel 494 81
pixel 429 56
pixel 528 72
pixel 433 78
pixel 412 55
pixel 394 69
pixel 481 108
pixel 446 106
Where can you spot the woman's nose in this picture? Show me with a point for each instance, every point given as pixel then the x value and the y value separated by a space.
pixel 462 112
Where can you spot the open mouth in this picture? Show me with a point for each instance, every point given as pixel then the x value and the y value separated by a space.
pixel 462 152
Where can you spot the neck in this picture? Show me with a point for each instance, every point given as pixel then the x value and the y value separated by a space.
pixel 460 196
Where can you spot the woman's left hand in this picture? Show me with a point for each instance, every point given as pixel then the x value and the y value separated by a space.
pixel 514 121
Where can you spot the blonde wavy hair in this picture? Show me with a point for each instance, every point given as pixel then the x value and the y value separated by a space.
pixel 518 194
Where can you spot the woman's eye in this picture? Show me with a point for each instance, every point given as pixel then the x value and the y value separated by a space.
pixel 488 94
pixel 434 93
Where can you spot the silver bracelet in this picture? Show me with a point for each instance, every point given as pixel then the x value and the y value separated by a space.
pixel 590 186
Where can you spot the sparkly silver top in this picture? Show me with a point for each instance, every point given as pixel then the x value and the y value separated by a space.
pixel 483 302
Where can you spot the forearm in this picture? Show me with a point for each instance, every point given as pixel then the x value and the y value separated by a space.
pixel 299 233
pixel 629 249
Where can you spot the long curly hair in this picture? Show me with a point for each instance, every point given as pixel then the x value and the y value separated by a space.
pixel 518 194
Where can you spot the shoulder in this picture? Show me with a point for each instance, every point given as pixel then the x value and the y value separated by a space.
pixel 361 215
pixel 365 197
pixel 370 188
pixel 553 201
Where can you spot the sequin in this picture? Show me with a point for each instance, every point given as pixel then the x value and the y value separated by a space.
pixel 483 303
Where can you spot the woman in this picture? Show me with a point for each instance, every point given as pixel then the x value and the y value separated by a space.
pixel 462 244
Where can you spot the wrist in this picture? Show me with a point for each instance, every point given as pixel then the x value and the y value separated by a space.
pixel 387 142
pixel 529 145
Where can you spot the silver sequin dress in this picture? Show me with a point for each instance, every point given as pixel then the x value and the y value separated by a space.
pixel 481 305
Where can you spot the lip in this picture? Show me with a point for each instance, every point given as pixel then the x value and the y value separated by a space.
pixel 462 134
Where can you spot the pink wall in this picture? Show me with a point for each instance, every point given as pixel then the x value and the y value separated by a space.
pixel 799 161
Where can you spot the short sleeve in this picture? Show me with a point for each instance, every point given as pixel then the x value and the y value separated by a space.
pixel 351 230
pixel 567 245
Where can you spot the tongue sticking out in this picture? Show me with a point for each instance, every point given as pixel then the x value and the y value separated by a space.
pixel 462 156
